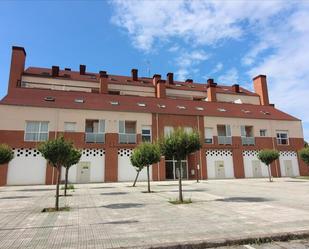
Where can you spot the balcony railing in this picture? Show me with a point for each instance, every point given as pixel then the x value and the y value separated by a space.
pixel 224 140
pixel 127 138
pixel 95 138
pixel 248 141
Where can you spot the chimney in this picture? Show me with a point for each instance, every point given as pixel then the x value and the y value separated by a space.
pixel 260 88
pixel 82 69
pixel 17 67
pixel 134 74
pixel 235 88
pixel 67 69
pixel 155 79
pixel 189 81
pixel 160 89
pixel 55 71
pixel 170 78
pixel 103 82
pixel 211 90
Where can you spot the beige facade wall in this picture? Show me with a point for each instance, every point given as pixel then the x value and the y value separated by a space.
pixel 294 128
pixel 224 97
pixel 185 94
pixel 16 117
pixel 132 90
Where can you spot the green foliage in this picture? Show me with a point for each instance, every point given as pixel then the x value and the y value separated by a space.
pixel 70 186
pixel 73 158
pixel 179 144
pixel 304 155
pixel 268 156
pixel 56 151
pixel 306 144
pixel 144 155
pixel 177 201
pixel 6 154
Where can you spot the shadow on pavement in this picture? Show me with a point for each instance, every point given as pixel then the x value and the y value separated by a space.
pixel 35 190
pixel 114 193
pixel 124 205
pixel 15 197
pixel 243 199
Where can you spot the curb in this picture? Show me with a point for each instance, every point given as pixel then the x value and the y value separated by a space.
pixel 230 242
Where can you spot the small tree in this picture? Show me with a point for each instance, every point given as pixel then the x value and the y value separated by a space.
pixel 179 145
pixel 6 154
pixel 56 152
pixel 306 144
pixel 73 158
pixel 304 155
pixel 267 157
pixel 145 155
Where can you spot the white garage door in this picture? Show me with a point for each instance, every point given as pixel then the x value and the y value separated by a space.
pixel 289 163
pixel 253 166
pixel 219 164
pixel 126 172
pixel 27 167
pixel 95 161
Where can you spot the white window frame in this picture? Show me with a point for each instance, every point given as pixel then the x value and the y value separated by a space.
pixel 209 137
pixel 39 132
pixel 279 139
pixel 147 127
pixel 69 123
pixel 125 134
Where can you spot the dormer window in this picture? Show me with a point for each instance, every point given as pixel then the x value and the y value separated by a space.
pixel 199 108
pixel 80 101
pixel 114 103
pixel 181 107
pixel 265 113
pixel 141 104
pixel 161 106
pixel 49 98
pixel 221 110
pixel 246 111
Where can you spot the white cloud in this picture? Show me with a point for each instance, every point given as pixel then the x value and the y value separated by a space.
pixel 230 77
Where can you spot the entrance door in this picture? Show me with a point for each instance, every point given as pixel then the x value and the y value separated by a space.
pixel 256 168
pixel 219 169
pixel 171 169
pixel 288 168
pixel 83 172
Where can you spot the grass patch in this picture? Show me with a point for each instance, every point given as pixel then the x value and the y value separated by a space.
pixel 70 187
pixel 47 210
pixel 177 201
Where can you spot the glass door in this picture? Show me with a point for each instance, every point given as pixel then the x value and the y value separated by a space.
pixel 171 169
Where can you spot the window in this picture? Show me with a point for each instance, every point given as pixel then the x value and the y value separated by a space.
pixel 282 137
pixel 247 136
pixel 146 134
pixel 95 131
pixel 188 129
pixel 224 134
pixel 263 133
pixel 208 135
pixel 127 132
pixel 69 126
pixel 36 131
pixel 168 130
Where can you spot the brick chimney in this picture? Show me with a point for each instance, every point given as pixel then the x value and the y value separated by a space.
pixel 235 88
pixel 155 79
pixel 55 71
pixel 211 90
pixel 161 89
pixel 18 60
pixel 170 78
pixel 103 82
pixel 189 81
pixel 82 69
pixel 134 74
pixel 260 88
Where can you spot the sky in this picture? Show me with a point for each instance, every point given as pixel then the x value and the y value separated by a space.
pixel 230 41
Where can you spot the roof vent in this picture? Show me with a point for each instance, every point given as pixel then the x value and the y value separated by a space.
pixel 189 81
pixel 67 69
pixel 265 113
pixel 199 108
pixel 80 101
pixel 161 106
pixel 49 98
pixel 246 111
pixel 181 107
pixel 237 101
pixel 141 104
pixel 221 110
pixel 114 103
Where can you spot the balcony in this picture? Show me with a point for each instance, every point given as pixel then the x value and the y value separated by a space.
pixel 126 138
pixel 95 137
pixel 248 140
pixel 224 140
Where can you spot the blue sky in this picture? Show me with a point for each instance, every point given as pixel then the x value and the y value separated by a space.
pixel 230 41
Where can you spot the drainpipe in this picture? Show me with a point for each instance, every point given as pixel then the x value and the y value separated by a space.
pixel 157 124
pixel 200 151
pixel 273 142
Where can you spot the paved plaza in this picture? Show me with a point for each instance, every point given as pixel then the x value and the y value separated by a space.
pixel 115 215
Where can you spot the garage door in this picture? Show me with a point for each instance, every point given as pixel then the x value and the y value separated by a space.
pixel 253 166
pixel 289 163
pixel 126 172
pixel 27 167
pixel 219 164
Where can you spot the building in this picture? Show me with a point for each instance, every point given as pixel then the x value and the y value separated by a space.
pixel 108 115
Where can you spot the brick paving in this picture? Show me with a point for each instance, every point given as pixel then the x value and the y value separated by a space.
pixel 115 215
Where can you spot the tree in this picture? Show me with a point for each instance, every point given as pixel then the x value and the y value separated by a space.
pixel 6 154
pixel 306 144
pixel 56 152
pixel 267 157
pixel 145 155
pixel 73 158
pixel 178 145
pixel 304 155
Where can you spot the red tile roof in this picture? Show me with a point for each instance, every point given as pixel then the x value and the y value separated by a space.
pixel 96 101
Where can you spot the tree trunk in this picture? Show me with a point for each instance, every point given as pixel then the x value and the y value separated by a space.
pixel 179 181
pixel 148 179
pixel 66 181
pixel 57 189
pixel 269 173
pixel 136 178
